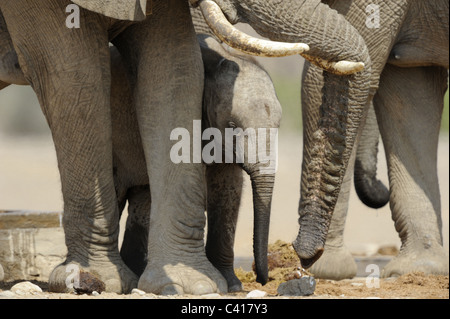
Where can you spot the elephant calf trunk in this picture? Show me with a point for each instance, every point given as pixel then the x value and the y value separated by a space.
pixel 262 186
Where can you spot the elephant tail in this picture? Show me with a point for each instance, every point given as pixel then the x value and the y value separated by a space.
pixel 371 191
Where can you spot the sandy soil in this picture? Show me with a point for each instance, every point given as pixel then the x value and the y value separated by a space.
pixel 283 267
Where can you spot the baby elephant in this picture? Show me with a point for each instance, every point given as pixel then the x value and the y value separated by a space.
pixel 239 98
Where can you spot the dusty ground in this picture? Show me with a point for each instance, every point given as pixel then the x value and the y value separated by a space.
pixel 282 266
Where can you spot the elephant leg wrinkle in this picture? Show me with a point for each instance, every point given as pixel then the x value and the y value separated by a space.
pixel 69 83
pixel 170 59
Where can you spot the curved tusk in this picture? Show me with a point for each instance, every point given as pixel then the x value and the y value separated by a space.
pixel 340 68
pixel 238 40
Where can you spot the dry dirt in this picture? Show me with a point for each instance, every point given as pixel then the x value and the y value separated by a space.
pixel 282 267
pixel 283 264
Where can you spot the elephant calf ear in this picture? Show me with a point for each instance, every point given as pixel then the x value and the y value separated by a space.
pixel 211 60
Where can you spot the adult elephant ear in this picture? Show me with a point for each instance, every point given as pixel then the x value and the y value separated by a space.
pixel 133 10
pixel 236 39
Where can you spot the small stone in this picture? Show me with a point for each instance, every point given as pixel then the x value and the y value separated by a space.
pixel 304 286
pixel 95 293
pixel 256 294
pixel 25 287
pixel 138 292
pixel 357 284
pixel 7 294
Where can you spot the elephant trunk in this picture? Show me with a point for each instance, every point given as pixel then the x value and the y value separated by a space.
pixel 331 38
pixel 370 190
pixel 200 25
pixel 218 23
pixel 262 187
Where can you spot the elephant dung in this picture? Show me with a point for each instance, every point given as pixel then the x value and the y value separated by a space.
pixel 88 283
pixel 303 286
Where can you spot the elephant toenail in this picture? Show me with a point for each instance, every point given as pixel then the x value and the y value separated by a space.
pixel 172 289
pixel 202 287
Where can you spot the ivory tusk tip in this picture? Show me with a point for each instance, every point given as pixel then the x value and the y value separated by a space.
pixel 303 47
pixel 347 67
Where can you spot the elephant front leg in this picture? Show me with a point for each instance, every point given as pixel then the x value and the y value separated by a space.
pixel 409 108
pixel 69 71
pixel 167 72
pixel 224 183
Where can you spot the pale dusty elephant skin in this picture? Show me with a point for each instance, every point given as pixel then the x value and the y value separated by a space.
pixel 409 52
pixel 161 52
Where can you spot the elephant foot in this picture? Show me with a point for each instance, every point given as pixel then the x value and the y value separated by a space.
pixel 2 273
pixel 432 261
pixel 336 263
pixel 110 277
pixel 197 277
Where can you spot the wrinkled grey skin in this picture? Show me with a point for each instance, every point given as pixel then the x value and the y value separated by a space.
pixel 69 69
pixel 409 53
pixel 237 92
pixel 70 72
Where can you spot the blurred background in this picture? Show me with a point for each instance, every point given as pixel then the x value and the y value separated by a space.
pixel 29 178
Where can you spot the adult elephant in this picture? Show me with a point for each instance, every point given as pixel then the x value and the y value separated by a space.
pixel 70 73
pixel 409 51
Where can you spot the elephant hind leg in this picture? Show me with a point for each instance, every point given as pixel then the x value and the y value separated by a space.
pixel 70 73
pixel 135 241
pixel 409 107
